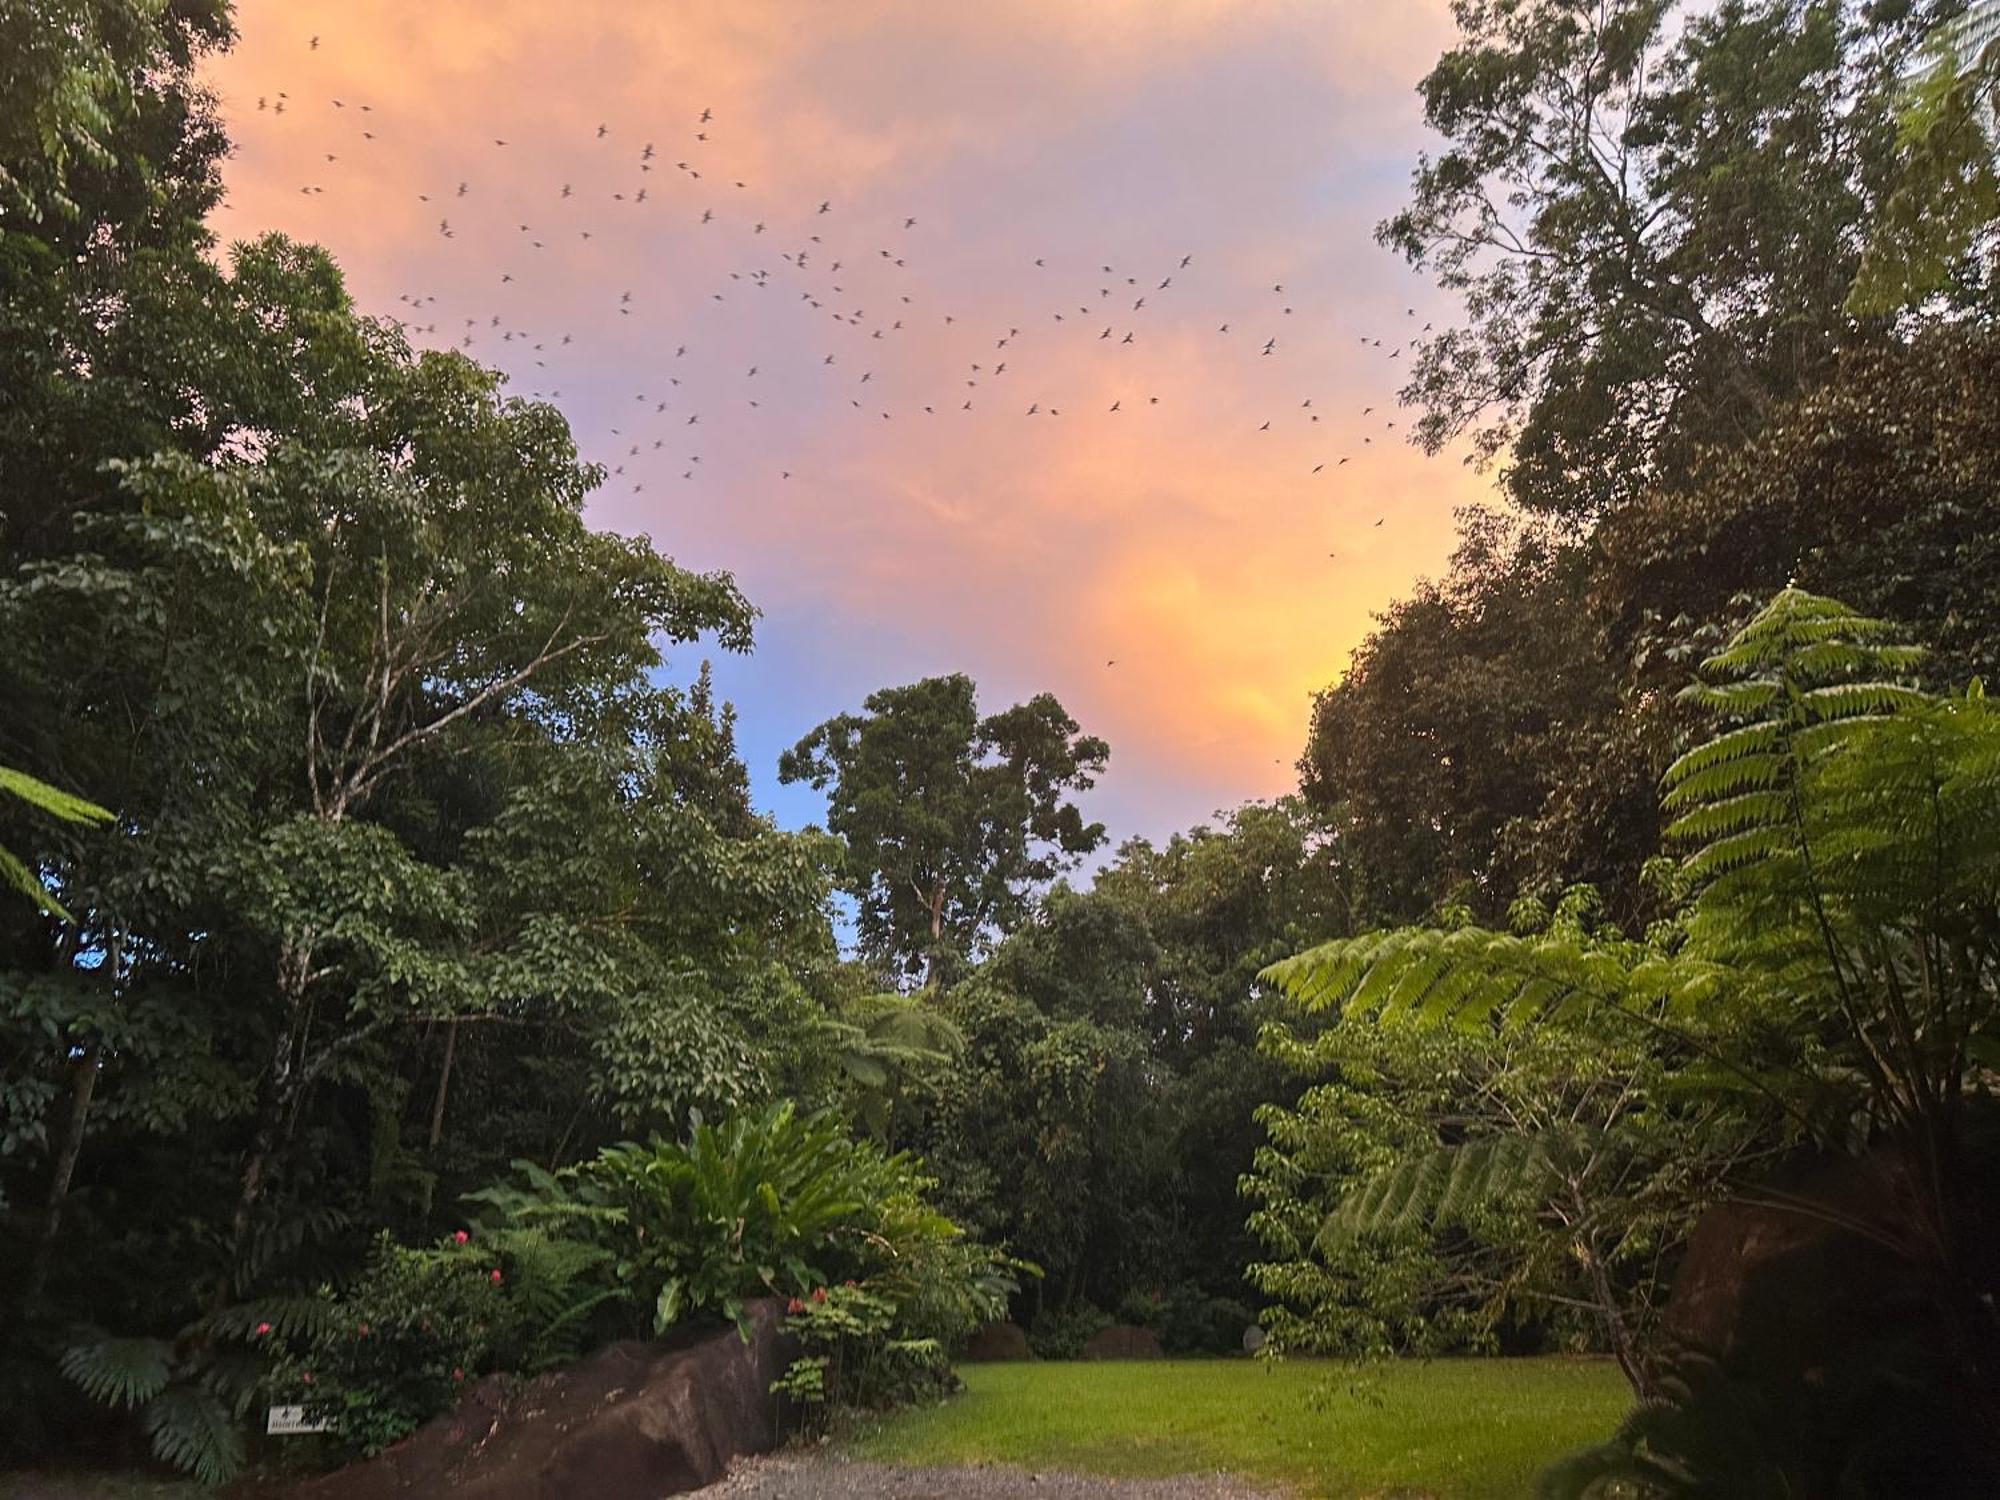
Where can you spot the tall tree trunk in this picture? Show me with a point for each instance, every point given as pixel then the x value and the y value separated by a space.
pixel 294 965
pixel 82 1089
pixel 934 960
pixel 444 1082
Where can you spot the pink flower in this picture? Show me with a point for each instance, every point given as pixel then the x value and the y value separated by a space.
pixel 457 1374
pixel 262 1329
pixel 362 1331
pixel 306 1376
pixel 496 1276
pixel 819 1294
pixel 795 1306
pixel 461 1236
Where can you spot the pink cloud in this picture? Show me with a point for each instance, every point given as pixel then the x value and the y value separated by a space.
pixel 1175 534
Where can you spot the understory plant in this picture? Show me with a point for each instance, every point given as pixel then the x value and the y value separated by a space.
pixel 883 1337
pixel 758 1205
pixel 421 1322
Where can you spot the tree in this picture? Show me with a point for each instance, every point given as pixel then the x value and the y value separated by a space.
pixel 92 91
pixel 950 821
pixel 1655 214
pixel 1480 745
pixel 1503 730
pixel 1946 200
pixel 1436 1184
pixel 1100 1112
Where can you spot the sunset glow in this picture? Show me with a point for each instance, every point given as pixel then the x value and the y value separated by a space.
pixel 1175 536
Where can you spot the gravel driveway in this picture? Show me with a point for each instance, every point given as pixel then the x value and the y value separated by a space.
pixel 825 1476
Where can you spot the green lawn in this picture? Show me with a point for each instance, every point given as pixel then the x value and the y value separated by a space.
pixel 1466 1429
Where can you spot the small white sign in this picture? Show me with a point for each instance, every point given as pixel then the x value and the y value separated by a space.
pixel 285 1420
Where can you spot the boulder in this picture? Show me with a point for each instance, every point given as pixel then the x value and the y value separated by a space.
pixel 634 1421
pixel 1814 1318
pixel 1123 1341
pixel 996 1342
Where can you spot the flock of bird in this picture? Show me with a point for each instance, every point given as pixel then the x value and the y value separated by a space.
pixel 859 291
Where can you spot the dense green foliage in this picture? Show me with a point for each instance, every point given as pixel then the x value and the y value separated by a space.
pixel 1654 212
pixel 641 1240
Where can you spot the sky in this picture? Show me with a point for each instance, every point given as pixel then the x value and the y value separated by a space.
pixel 1137 236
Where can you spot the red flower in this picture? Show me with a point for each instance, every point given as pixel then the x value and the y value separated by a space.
pixel 461 1236
pixel 457 1374
pixel 306 1376
pixel 262 1329
pixel 819 1294
pixel 795 1306
pixel 496 1276
pixel 362 1331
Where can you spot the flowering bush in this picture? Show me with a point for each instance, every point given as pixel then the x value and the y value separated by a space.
pixel 419 1324
pixel 884 1339
pixel 642 1238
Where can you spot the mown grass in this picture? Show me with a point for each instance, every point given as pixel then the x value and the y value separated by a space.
pixel 1463 1429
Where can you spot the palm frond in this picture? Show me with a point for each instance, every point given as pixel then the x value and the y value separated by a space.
pixel 194 1431
pixel 119 1372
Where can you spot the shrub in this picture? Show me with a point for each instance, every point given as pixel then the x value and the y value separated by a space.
pixel 855 1355
pixel 752 1207
pixel 419 1324
pixel 1187 1319
pixel 774 1204
pixel 884 1340
pixel 1061 1333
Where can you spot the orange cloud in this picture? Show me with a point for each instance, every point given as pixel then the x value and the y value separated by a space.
pixel 807 426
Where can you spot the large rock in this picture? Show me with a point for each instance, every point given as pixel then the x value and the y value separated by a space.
pixel 1123 1341
pixel 632 1422
pixel 1836 1335
pixel 996 1342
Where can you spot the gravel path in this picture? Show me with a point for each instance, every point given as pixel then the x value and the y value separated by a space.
pixel 824 1476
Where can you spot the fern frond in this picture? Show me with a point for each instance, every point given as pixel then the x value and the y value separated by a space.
pixel 1850 700
pixel 288 1317
pixel 52 800
pixel 1438 1188
pixel 1750 740
pixel 1468 977
pixel 1715 818
pixel 21 878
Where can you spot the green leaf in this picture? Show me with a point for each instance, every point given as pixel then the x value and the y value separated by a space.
pixel 119 1372
pixel 667 1309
